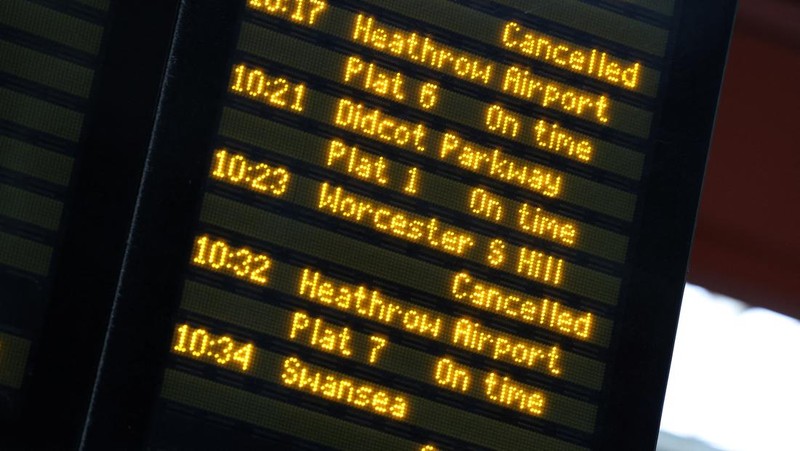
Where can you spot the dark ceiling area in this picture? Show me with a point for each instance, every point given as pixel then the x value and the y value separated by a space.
pixel 747 243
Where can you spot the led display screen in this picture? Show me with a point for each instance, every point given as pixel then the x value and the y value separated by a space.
pixel 412 224
pixel 78 89
pixel 49 56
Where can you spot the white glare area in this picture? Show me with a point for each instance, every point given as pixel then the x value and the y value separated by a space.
pixel 735 376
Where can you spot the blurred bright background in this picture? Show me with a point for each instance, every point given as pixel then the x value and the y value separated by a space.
pixel 735 378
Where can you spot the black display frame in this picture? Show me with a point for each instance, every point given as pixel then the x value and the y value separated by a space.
pixel 148 292
pixel 97 216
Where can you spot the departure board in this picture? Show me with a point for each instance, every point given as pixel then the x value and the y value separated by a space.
pixel 417 224
pixel 49 55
